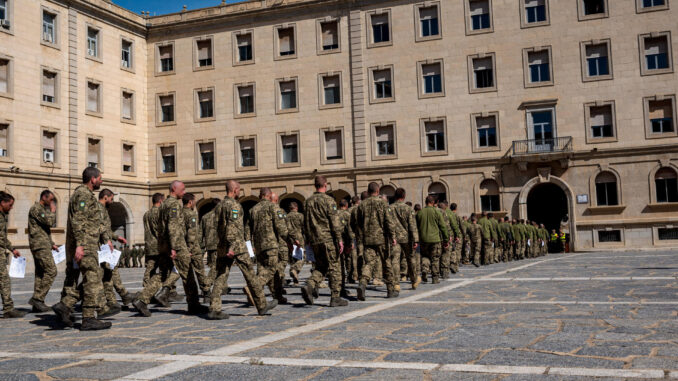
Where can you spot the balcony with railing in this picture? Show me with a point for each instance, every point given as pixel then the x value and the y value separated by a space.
pixel 558 145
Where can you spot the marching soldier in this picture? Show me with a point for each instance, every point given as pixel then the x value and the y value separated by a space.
pixel 476 240
pixel 295 227
pixel 434 236
pixel 41 218
pixel 455 224
pixel 407 235
pixel 151 219
pixel 486 229
pixel 193 241
pixel 210 240
pixel 347 237
pixel 6 248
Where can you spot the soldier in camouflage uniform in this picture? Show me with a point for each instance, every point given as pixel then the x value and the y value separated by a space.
pixel 83 236
pixel 267 227
pixel 210 240
pixel 172 251
pixel 231 248
pixel 466 250
pixel 457 238
pixel 494 232
pixel 284 247
pixel 377 225
pixel 347 237
pixel 6 248
pixel 446 254
pixel 323 232
pixel 193 241
pixel 486 229
pixel 517 239
pixel 151 218
pixel 353 270
pixel 41 218
pixel 407 235
pixel 359 249
pixel 295 227
pixel 111 278
pixel 434 236
pixel 476 239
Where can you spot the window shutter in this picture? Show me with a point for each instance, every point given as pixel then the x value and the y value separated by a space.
pixel 48 83
pixel 380 19
pixel 384 134
pixel 166 151
pixel 489 188
pixel 479 7
pixel 289 140
pixel 4 76
pixel 92 97
pixel 246 144
pixel 661 109
pixel 244 39
pixel 606 177
pixel 127 154
pixel 665 174
pixel 333 144
pixel 435 128
pixel 331 81
pixel 4 132
pixel 206 147
pixel 204 49
pixel 166 100
pixel 601 116
pixel 93 151
pixel 127 105
pixel 433 69
pixel 488 122
pixel 205 96
pixel 330 34
pixel 538 58
pixel 428 13
pixel 655 46
pixel 165 52
pixel 48 139
pixel 382 75
pixel 533 3
pixel 245 91
pixel 596 51
pixel 482 64
pixel 287 86
pixel 285 39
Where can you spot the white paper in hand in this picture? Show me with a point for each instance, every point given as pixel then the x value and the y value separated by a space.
pixel 529 243
pixel 59 254
pixel 17 268
pixel 298 253
pixel 310 255
pixel 114 257
pixel 542 244
pixel 249 248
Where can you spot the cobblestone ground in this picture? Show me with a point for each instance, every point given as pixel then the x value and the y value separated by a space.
pixel 562 317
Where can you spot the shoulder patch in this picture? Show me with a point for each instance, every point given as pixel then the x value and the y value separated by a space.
pixel 81 206
pixel 235 213
pixel 42 215
pixel 334 207
pixel 174 212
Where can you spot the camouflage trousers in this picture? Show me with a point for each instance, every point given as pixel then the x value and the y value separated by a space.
pixel 445 260
pixel 198 266
pixel 349 259
pixel 278 281
pixel 5 284
pixel 326 265
pixel 476 248
pixel 90 290
pixel 411 258
pixel 430 258
pixel 396 253
pixel 297 264
pixel 222 268
pixel 212 264
pixel 184 270
pixel 455 260
pixel 112 283
pixel 487 252
pixel 466 252
pixel 45 272
pixel 378 256
pixel 267 269
pixel 150 268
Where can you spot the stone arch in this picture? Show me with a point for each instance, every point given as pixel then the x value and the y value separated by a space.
pixel 569 194
pixel 205 206
pixel 247 203
pixel 388 190
pixel 604 170
pixel 122 218
pixel 664 166
pixel 288 198
pixel 340 194
pixel 439 188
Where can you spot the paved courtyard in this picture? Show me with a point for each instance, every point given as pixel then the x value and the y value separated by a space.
pixel 561 317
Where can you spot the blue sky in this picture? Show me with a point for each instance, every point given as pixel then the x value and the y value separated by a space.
pixel 159 7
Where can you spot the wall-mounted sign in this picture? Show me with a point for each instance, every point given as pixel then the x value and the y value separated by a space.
pixel 582 199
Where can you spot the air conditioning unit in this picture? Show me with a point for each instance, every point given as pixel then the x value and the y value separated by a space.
pixel 48 156
pixel 5 23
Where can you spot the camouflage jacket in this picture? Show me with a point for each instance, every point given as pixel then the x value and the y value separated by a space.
pixel 40 221
pixel 5 245
pixel 193 231
pixel 465 230
pixel 230 227
pixel 172 228
pixel 346 231
pixel 295 226
pixel 208 225
pixel 282 241
pixel 517 233
pixel 321 222
pixel 353 221
pixel 85 225
pixel 107 233
pixel 406 223
pixel 151 230
pixel 376 222
pixel 475 232
pixel 267 226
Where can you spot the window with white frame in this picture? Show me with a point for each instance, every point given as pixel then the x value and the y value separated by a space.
pixel 94 152
pixel 601 121
pixel 380 28
pixel 661 114
pixel 127 54
pixel 429 23
pixel 434 131
pixel 656 54
pixel 384 136
pixel 480 18
pixel 166 58
pixel 247 150
pixel 4 13
pixel 206 159
pixel 166 112
pixel 287 44
pixel 666 185
pixel 598 62
pixel 93 97
pixel 127 113
pixel 168 159
pixel 49 27
pixel 246 102
pixel 329 34
pixel 432 78
pixel 205 104
pixel 535 12
pixel 538 67
pixel 382 82
pixel 289 149
pixel 333 145
pixel 651 5
pixel 593 7
pixel 606 189
pixel 245 52
pixel 541 125
pixel 288 95
pixel 49 146
pixel 486 128
pixel 93 39
pixel 483 73
pixel 331 90
pixel 50 87
pixel 4 141
pixel 489 196
pixel 203 51
pixel 128 158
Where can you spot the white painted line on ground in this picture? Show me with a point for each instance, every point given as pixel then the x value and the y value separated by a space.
pixel 566 302
pixel 152 357
pixel 388 365
pixel 160 371
pixel 493 369
pixel 297 362
pixel 624 373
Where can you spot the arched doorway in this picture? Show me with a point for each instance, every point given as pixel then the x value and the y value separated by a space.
pixel 547 204
pixel 438 191
pixel 248 203
pixel 389 192
pixel 206 205
pixel 119 220
pixel 340 195
pixel 289 198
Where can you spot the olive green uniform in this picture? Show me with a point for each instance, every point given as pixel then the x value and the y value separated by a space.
pixel 40 222
pixel 432 234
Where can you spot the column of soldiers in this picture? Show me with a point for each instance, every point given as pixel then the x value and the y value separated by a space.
pixel 348 245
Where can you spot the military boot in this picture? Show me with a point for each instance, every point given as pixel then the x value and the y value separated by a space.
pixel 435 280
pixel 295 277
pixel 345 293
pixel 174 296
pixel 63 313
pixel 197 309
pixel 338 302
pixel 217 315
pixel 93 324
pixel 162 297
pixel 13 314
pixel 423 277
pixel 361 292
pixel 269 306
pixel 110 310
pixel 38 306
pixel 397 287
pixel 141 307
pixel 416 283
pixel 128 298
pixel 307 293
pixel 391 293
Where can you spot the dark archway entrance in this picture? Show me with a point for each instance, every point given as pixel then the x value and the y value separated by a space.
pixel 287 199
pixel 118 215
pixel 206 206
pixel 247 204
pixel 547 204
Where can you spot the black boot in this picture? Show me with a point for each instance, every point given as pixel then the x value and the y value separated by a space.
pixel 197 309
pixel 110 310
pixel 13 314
pixel 141 307
pixel 128 298
pixel 269 306
pixel 338 302
pixel 92 324
pixel 162 297
pixel 38 306
pixel 423 278
pixel 361 292
pixel 307 294
pixel 63 313
pixel 345 293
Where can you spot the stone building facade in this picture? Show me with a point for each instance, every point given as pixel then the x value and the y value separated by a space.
pixel 558 111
